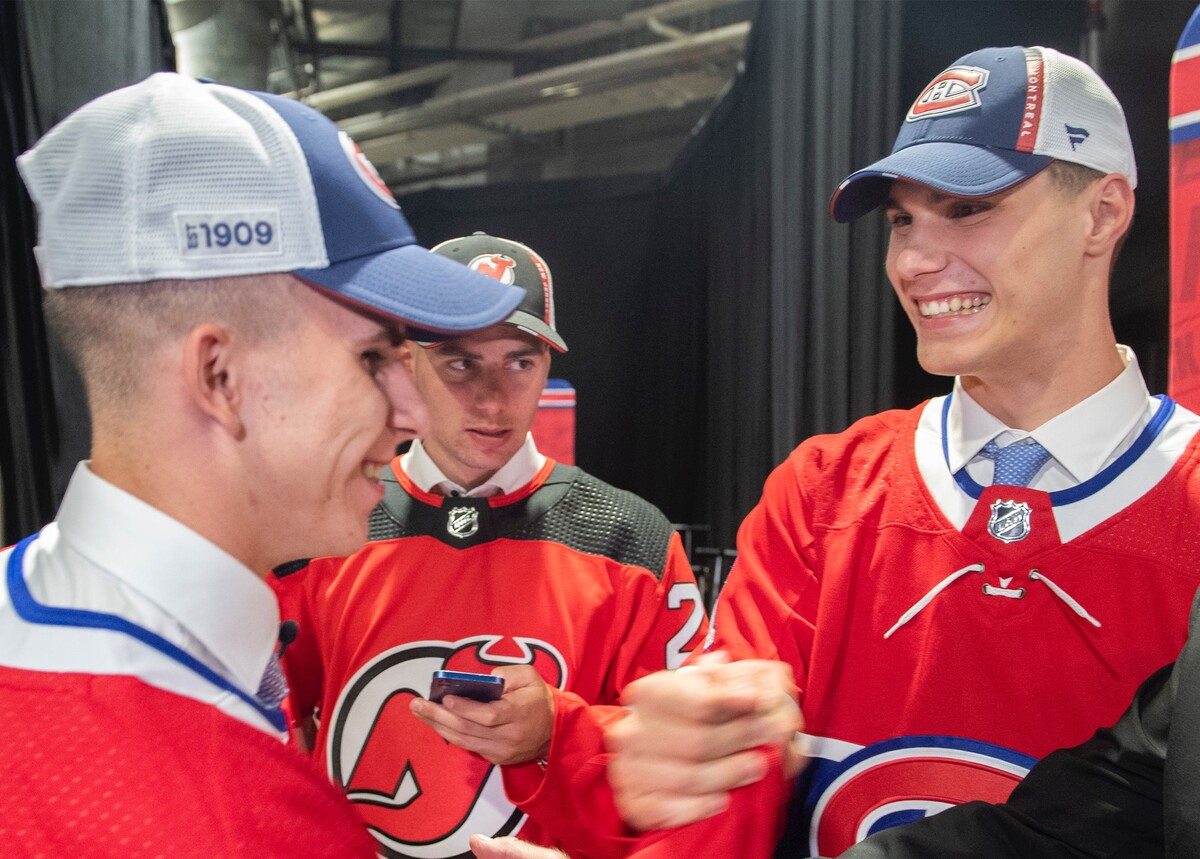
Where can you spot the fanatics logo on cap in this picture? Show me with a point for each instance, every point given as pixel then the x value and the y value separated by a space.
pixel 366 170
pixel 497 266
pixel 955 89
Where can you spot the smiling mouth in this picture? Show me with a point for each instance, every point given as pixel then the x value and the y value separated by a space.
pixel 373 470
pixel 498 433
pixel 958 305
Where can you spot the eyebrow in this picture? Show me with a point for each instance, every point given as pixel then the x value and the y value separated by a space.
pixel 452 350
pixel 929 196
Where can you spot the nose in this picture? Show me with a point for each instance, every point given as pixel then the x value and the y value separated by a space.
pixel 916 252
pixel 407 413
pixel 490 394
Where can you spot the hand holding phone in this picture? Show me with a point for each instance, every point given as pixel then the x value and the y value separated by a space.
pixel 465 684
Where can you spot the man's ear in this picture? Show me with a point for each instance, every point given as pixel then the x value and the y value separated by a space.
pixel 1111 207
pixel 212 378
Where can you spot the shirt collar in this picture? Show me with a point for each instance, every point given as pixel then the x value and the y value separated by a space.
pixel 521 468
pixel 1081 439
pixel 220 601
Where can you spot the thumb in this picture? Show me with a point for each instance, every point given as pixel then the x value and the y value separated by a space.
pixel 517 676
pixel 509 848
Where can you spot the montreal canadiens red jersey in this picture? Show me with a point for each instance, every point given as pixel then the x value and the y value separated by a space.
pixel 586 582
pixel 108 767
pixel 937 664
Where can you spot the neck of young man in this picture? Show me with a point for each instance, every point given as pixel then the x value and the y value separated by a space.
pixel 1031 393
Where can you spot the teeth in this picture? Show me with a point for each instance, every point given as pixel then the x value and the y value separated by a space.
pixel 371 471
pixel 957 304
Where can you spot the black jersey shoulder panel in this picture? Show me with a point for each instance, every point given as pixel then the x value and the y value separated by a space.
pixel 572 508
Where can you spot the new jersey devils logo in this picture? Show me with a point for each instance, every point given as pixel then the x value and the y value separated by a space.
pixel 900 780
pixel 420 796
pixel 496 266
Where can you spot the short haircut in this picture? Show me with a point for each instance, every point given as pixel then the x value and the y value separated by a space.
pixel 114 332
pixel 1070 178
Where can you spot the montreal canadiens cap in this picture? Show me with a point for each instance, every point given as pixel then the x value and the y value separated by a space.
pixel 993 119
pixel 512 262
pixel 174 178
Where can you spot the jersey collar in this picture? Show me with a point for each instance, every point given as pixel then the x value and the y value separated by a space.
pixel 229 609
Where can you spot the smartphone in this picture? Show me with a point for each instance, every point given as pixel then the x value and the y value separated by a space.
pixel 477 687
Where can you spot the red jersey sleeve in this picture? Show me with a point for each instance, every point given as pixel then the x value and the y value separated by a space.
pixel 767 608
pixel 569 796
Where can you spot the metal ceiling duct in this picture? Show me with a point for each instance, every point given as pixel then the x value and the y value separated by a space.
pixel 561 82
pixel 228 41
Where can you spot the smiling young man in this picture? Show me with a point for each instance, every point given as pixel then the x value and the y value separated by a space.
pixel 485 556
pixel 233 282
pixel 957 589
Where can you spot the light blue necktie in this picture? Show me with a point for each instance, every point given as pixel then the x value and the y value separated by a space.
pixel 273 688
pixel 1017 463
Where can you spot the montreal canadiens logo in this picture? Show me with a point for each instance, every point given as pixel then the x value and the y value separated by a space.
pixel 366 170
pixel 900 780
pixel 955 89
pixel 420 796
pixel 496 266
pixel 1009 521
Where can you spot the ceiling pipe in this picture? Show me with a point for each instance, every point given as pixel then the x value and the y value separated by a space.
pixel 338 97
pixel 228 41
pixel 630 22
pixel 559 82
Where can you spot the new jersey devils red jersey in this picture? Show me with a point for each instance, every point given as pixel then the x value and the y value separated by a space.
pixel 587 583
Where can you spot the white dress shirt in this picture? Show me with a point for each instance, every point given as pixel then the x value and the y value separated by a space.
pixel 107 551
pixel 1082 442
pixel 514 474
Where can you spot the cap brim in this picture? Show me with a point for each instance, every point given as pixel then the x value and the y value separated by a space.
pixel 539 329
pixel 526 322
pixel 961 169
pixel 421 288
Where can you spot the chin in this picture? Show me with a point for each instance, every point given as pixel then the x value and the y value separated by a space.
pixel 944 362
pixel 347 542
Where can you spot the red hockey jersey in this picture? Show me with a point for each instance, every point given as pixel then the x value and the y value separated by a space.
pixel 133 771
pixel 935 664
pixel 584 581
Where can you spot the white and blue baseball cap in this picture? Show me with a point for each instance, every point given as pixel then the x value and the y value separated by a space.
pixel 175 178
pixel 995 118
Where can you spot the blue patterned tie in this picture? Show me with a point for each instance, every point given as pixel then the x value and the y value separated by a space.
pixel 273 688
pixel 1016 464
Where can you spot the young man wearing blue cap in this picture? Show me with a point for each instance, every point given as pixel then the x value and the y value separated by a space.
pixel 234 282
pixel 488 557
pixel 958 589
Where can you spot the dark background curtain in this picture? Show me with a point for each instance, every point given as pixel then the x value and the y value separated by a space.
pixel 716 316
pixel 28 430
pixel 55 56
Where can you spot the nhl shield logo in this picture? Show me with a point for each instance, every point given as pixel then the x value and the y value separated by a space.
pixel 1009 521
pixel 463 522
